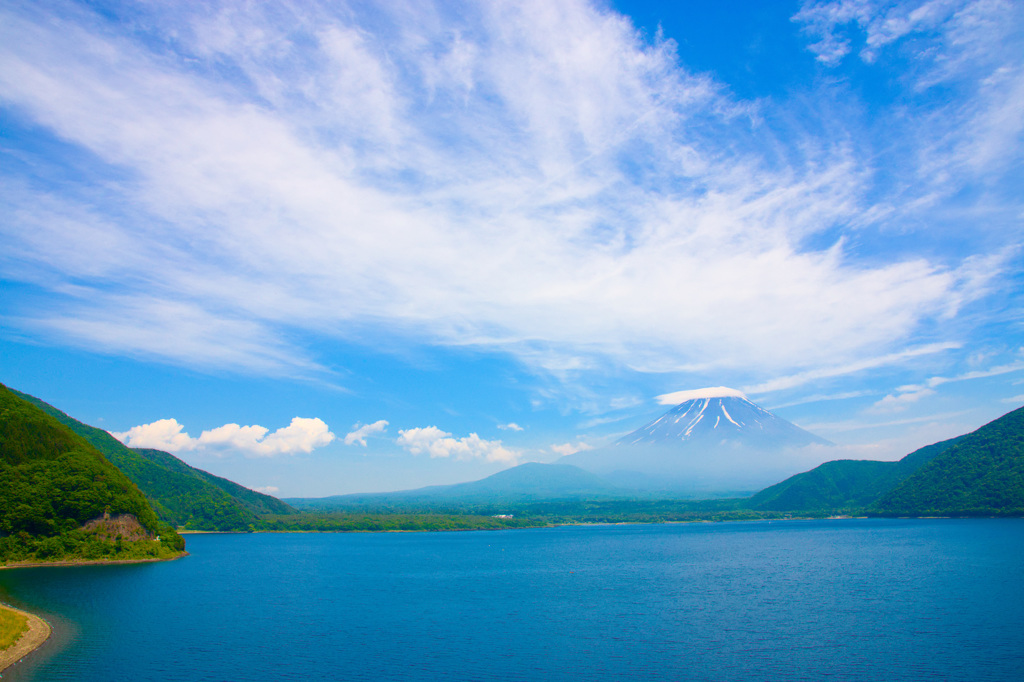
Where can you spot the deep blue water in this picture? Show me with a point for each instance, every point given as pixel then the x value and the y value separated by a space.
pixel 842 600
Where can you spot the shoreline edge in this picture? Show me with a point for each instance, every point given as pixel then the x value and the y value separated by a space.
pixel 38 632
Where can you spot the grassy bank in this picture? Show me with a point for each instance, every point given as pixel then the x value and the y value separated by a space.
pixel 12 626
pixel 20 634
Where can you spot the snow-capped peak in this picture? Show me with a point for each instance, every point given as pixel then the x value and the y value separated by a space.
pixel 709 416
pixel 698 393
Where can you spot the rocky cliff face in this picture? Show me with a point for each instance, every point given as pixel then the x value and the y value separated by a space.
pixel 123 526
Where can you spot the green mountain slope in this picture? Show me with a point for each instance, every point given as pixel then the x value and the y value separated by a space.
pixel 839 485
pixel 982 474
pixel 182 495
pixel 255 502
pixel 61 498
pixel 843 485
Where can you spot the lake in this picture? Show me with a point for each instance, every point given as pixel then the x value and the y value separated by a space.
pixel 843 600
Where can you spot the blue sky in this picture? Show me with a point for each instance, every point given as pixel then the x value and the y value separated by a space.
pixel 334 247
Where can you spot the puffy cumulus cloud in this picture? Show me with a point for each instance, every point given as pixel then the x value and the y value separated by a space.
pixel 163 434
pixel 511 426
pixel 571 448
pixel 302 435
pixel 438 443
pixel 359 432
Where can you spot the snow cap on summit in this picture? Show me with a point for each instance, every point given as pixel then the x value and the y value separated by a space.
pixel 698 393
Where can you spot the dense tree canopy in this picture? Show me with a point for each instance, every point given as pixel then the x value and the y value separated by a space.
pixel 52 481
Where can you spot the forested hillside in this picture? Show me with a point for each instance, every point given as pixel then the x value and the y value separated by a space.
pixel 182 495
pixel 60 498
pixel 844 485
pixel 981 475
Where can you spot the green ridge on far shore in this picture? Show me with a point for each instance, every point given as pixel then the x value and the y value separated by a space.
pixel 982 474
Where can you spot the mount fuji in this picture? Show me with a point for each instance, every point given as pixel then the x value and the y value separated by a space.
pixel 716 415
pixel 715 440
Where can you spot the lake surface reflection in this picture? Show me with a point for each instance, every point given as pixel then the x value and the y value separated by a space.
pixel 844 600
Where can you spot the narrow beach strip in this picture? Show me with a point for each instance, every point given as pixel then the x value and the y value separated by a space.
pixel 30 640
pixel 89 562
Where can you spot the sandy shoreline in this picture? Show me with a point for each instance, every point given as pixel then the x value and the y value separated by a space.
pixel 37 633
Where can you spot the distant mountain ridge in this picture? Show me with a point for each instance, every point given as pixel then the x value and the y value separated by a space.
pixel 181 495
pixel 529 482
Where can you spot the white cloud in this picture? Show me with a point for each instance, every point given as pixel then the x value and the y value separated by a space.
pixel 900 401
pixel 484 174
pixel 359 433
pixel 781 383
pixel 860 425
pixel 972 47
pixel 978 374
pixel 820 397
pixel 163 434
pixel 441 444
pixel 882 23
pixel 697 393
pixel 302 435
pixel 911 393
pixel 571 448
pixel 511 426
pixel 268 489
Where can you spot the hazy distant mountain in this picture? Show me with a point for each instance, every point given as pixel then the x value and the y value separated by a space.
pixel 715 441
pixel 524 483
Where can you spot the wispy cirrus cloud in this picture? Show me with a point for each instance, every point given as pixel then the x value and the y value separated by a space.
pixel 529 178
pixel 799 379
pixel 360 432
pixel 911 393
